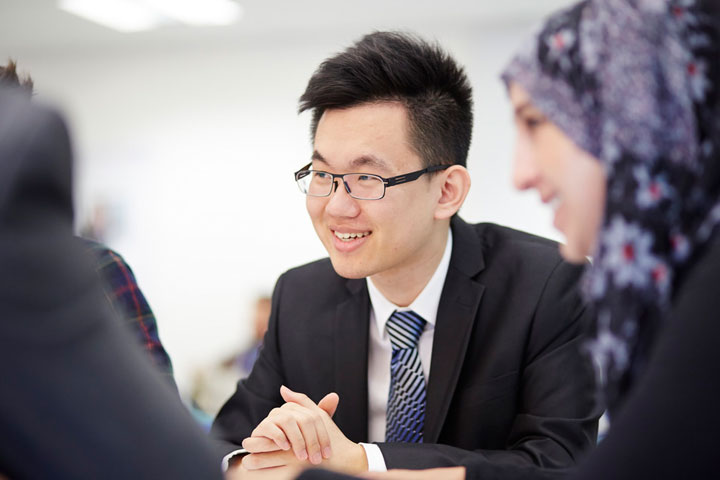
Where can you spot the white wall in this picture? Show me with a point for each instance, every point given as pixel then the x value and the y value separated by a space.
pixel 194 149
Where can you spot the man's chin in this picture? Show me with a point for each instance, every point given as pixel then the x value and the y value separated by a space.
pixel 349 270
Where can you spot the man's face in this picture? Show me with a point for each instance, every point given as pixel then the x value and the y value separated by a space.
pixel 389 236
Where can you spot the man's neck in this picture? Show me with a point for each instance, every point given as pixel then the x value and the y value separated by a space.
pixel 402 286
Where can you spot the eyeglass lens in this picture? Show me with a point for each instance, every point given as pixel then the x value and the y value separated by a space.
pixel 359 185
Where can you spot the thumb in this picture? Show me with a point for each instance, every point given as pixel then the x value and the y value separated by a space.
pixel 329 403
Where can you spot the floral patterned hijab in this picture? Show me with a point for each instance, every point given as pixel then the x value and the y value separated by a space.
pixel 636 83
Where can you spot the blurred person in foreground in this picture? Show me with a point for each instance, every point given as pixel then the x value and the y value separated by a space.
pixel 78 401
pixel 121 287
pixel 438 337
pixel 617 107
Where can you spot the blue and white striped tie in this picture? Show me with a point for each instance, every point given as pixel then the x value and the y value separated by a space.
pixel 406 403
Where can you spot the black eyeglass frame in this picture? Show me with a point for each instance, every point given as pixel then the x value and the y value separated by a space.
pixel 387 182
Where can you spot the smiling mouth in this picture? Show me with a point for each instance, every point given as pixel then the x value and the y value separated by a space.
pixel 348 237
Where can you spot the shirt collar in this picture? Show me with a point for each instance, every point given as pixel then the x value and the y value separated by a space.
pixel 426 304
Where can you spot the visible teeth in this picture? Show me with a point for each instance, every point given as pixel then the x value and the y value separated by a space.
pixel 349 236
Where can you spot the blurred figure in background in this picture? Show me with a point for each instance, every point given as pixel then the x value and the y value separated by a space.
pixel 213 386
pixel 245 360
pixel 96 226
pixel 121 288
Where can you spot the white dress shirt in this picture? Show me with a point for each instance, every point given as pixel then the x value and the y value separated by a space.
pixel 380 350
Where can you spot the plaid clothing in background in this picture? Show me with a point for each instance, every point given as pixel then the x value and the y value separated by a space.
pixel 129 302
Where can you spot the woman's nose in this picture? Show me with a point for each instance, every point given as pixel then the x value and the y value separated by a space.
pixel 525 171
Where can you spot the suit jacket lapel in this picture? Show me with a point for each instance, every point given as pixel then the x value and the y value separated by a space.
pixel 456 316
pixel 352 320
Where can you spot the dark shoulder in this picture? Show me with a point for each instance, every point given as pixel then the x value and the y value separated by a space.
pixel 321 267
pixel 315 285
pixel 503 245
pixel 317 275
pixel 94 247
pixel 493 234
pixel 102 255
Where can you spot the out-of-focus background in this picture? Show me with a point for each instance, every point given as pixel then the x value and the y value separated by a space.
pixel 186 136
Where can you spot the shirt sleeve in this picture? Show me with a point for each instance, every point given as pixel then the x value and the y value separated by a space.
pixel 375 459
pixel 128 301
pixel 231 457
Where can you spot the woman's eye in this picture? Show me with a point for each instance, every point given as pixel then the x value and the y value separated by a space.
pixel 533 122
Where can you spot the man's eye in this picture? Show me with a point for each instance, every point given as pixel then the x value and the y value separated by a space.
pixel 321 175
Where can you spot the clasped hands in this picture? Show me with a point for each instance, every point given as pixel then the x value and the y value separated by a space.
pixel 302 434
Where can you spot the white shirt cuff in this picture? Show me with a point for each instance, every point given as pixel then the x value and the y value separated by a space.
pixel 375 459
pixel 226 458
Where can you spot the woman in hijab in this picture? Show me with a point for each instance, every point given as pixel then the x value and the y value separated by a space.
pixel 617 109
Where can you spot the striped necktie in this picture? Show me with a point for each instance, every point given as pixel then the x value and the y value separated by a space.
pixel 406 402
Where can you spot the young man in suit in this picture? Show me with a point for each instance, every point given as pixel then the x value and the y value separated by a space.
pixel 441 340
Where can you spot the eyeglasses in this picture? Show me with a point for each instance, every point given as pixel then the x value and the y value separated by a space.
pixel 362 186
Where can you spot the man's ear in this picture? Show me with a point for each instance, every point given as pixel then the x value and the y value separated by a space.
pixel 454 188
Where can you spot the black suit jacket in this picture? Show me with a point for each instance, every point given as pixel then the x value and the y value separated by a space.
pixel 506 379
pixel 78 398
pixel 667 427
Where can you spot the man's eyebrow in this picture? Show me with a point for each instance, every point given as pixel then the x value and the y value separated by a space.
pixel 369 160
pixel 317 157
pixel 358 163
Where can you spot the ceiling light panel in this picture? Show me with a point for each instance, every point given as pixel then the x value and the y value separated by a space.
pixel 138 15
pixel 121 15
pixel 198 12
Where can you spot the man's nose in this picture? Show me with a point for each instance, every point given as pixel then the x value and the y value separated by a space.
pixel 341 204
